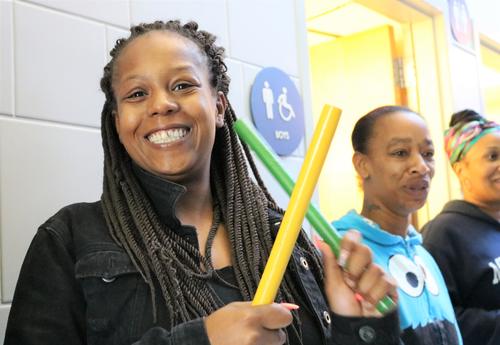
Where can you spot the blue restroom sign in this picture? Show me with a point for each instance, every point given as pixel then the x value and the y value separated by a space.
pixel 277 110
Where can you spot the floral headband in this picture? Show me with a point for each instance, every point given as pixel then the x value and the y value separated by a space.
pixel 460 138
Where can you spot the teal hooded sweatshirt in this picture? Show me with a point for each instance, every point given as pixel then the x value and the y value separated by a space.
pixel 425 310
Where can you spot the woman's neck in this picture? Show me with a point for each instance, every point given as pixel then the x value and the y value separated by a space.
pixel 195 207
pixel 387 220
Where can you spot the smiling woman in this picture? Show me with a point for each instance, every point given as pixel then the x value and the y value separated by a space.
pixel 174 250
pixel 394 159
pixel 464 238
pixel 148 90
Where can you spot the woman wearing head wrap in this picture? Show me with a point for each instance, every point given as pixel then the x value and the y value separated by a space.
pixel 465 237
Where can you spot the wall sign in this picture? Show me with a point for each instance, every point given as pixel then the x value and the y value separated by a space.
pixel 461 23
pixel 277 110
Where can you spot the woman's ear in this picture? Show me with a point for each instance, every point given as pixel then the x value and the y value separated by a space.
pixel 458 168
pixel 361 165
pixel 221 105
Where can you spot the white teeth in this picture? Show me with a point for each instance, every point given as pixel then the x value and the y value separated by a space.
pixel 167 136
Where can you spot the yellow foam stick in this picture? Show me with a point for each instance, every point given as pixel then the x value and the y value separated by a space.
pixel 297 207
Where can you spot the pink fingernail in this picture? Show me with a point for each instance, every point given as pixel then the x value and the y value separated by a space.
pixel 342 260
pixel 290 306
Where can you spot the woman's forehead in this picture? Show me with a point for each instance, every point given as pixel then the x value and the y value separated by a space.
pixel 168 46
pixel 399 126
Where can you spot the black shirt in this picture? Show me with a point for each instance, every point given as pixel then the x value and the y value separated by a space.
pixel 163 200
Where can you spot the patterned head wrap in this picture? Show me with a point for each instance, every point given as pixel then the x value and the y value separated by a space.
pixel 460 138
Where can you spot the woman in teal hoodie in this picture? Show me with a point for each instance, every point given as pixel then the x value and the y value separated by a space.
pixel 393 155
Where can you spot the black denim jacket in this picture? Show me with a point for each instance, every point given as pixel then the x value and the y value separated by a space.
pixel 78 287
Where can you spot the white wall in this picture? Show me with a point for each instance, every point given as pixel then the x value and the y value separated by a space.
pixel 485 15
pixel 52 55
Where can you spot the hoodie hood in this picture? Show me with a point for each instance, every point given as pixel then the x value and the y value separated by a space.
pixel 371 231
pixel 469 210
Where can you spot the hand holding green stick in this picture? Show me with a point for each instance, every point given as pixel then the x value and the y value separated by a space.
pixel 327 232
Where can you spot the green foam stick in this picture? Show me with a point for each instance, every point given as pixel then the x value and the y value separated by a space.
pixel 327 232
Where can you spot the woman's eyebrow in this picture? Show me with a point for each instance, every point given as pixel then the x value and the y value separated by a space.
pixel 396 141
pixel 134 76
pixel 428 142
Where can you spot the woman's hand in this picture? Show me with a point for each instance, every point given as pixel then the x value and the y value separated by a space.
pixel 242 323
pixel 353 283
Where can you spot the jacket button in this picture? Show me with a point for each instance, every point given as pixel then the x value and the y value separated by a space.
pixel 367 334
pixel 326 317
pixel 304 262
pixel 108 280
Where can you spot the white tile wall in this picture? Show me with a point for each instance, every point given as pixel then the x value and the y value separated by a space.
pixel 59 63
pixel 211 15
pixel 112 34
pixel 6 59
pixel 463 66
pixel 236 96
pixel 4 314
pixel 484 13
pixel 263 32
pixel 249 74
pixel 115 12
pixel 43 167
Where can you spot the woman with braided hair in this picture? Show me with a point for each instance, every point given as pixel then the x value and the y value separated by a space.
pixel 465 237
pixel 174 250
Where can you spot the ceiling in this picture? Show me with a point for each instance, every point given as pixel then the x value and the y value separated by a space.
pixel 329 19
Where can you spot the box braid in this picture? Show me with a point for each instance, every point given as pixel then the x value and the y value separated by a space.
pixel 163 258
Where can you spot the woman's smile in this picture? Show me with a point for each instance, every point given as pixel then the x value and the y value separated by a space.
pixel 168 136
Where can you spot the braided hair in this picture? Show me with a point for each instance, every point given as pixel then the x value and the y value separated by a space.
pixel 166 261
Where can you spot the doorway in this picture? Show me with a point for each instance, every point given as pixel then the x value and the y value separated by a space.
pixel 365 54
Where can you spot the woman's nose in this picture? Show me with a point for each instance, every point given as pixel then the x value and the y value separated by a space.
pixel 420 165
pixel 163 104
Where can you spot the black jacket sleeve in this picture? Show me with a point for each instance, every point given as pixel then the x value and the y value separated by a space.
pixel 49 307
pixel 364 331
pixel 478 323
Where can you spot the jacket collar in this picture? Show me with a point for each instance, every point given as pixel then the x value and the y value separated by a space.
pixel 373 232
pixel 162 193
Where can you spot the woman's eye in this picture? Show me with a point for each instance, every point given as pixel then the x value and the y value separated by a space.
pixel 400 153
pixel 181 86
pixel 428 154
pixel 136 94
pixel 493 156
